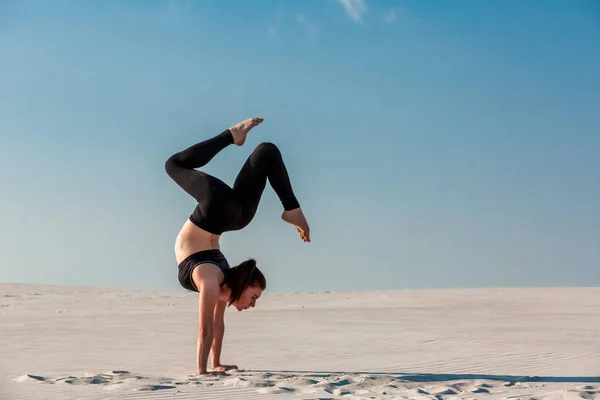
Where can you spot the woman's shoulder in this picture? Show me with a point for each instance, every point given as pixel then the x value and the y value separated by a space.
pixel 207 274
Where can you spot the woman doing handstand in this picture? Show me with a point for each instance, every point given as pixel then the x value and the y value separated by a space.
pixel 221 208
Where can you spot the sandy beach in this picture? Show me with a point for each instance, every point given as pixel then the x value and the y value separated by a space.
pixel 64 342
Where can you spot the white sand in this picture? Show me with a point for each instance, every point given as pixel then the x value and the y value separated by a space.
pixel 93 343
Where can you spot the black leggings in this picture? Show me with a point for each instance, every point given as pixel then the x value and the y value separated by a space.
pixel 222 208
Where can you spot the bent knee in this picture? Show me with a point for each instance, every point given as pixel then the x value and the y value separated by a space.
pixel 267 147
pixel 171 166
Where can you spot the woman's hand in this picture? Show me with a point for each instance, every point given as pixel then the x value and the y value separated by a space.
pixel 224 368
pixel 213 373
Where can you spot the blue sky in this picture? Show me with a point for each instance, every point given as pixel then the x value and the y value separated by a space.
pixel 431 144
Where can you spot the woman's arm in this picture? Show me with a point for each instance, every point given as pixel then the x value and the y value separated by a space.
pixel 219 332
pixel 209 296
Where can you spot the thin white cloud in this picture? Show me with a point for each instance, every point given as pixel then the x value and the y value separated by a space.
pixel 178 6
pixel 354 8
pixel 311 29
pixel 272 29
pixel 402 14
pixel 391 16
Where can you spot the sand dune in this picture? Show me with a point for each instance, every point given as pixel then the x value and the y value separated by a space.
pixel 62 342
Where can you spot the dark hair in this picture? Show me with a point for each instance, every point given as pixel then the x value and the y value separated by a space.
pixel 243 275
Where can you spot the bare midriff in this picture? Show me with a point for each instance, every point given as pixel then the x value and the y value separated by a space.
pixel 192 239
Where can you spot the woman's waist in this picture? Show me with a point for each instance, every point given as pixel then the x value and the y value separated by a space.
pixel 213 256
pixel 192 240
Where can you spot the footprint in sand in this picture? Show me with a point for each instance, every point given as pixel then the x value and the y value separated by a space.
pixel 298 381
pixel 443 391
pixel 241 382
pixel 341 392
pixel 117 372
pixel 274 390
pixel 27 378
pixel 87 379
pixel 257 383
pixel 152 388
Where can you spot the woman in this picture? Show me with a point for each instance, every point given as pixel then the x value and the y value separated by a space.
pixel 202 266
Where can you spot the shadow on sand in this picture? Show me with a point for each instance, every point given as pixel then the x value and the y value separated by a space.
pixel 424 377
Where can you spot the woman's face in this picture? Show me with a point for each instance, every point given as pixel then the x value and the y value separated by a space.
pixel 248 298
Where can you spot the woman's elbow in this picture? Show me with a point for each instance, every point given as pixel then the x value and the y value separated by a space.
pixel 218 327
pixel 205 332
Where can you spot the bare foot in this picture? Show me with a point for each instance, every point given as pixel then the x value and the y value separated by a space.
pixel 240 130
pixel 296 218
